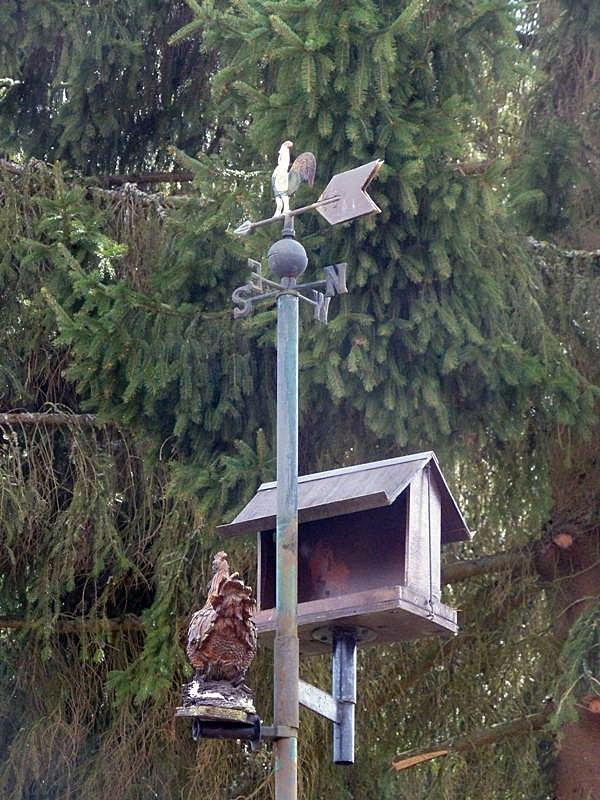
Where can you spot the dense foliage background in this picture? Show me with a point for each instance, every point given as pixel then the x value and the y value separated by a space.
pixel 152 412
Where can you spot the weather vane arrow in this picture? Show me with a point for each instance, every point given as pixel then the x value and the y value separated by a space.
pixel 344 198
pixel 348 189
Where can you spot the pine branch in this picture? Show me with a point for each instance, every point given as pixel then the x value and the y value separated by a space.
pixel 131 191
pixel 479 738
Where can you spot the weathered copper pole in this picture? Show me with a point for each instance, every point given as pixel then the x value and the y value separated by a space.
pixel 286 639
pixel 287 260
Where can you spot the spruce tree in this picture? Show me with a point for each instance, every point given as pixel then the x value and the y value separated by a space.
pixel 456 335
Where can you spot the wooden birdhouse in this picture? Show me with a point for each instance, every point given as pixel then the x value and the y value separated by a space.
pixel 369 544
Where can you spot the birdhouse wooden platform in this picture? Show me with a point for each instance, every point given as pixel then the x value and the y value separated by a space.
pixel 369 544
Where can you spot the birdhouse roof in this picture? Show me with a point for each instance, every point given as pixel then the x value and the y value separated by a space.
pixel 350 489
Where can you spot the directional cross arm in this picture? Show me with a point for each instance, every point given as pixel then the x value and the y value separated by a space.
pixel 247 296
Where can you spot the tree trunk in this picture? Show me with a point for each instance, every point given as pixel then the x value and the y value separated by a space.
pixel 570 558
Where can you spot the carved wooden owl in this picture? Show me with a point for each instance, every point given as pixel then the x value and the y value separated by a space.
pixel 222 634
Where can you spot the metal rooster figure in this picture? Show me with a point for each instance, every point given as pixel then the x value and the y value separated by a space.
pixel 286 180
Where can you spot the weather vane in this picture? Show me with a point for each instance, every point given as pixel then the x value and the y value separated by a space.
pixel 344 198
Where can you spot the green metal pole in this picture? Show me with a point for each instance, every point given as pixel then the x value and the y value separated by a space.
pixel 286 665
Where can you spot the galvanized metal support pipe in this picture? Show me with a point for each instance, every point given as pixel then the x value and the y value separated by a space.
pixel 286 667
pixel 343 669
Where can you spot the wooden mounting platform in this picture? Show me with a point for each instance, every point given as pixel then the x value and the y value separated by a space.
pixel 200 693
pixel 219 710
pixel 215 714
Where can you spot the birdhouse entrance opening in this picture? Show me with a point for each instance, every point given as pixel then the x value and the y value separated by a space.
pixel 342 554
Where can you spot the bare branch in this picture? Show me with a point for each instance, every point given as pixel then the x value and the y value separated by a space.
pixel 526 39
pixel 78 625
pixel 47 419
pixel 474 167
pixel 479 738
pixel 148 177
pixel 8 166
pixel 520 560
pixel 183 176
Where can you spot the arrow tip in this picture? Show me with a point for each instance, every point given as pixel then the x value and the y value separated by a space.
pixel 244 229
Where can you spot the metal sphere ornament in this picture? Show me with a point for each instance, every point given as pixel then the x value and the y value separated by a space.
pixel 287 258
